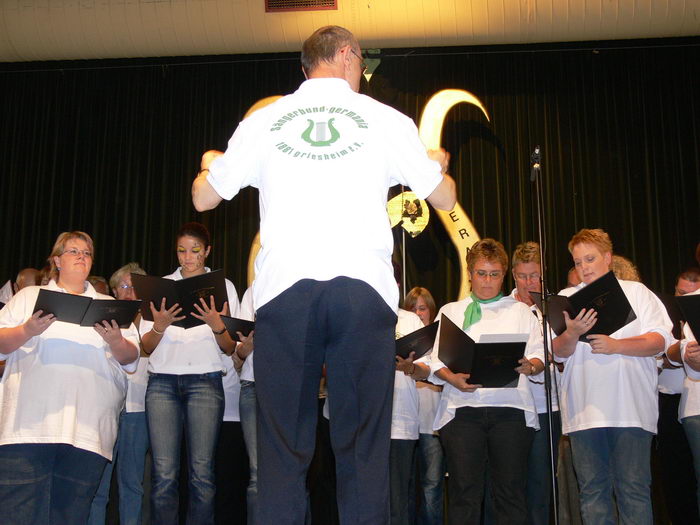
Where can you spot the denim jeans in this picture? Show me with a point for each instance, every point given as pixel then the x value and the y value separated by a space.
pixel 613 461
pixel 195 401
pixel 47 484
pixel 431 466
pixel 98 507
pixel 247 405
pixel 691 425
pixel 401 454
pixel 132 445
pixel 539 481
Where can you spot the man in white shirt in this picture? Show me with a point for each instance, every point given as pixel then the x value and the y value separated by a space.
pixel 324 288
pixel 527 273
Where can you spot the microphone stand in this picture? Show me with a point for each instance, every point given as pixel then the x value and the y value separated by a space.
pixel 536 178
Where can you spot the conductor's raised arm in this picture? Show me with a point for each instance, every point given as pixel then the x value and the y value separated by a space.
pixel 204 196
pixel 444 196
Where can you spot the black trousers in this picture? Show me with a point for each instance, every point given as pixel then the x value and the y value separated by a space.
pixel 493 437
pixel 346 324
pixel 231 475
pixel 678 474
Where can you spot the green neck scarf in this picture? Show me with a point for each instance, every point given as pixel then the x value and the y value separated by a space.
pixel 472 314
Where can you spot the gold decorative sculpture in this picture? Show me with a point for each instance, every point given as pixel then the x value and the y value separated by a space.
pixel 456 222
pixel 408 210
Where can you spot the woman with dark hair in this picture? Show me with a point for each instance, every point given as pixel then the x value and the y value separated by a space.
pixel 60 396
pixel 185 392
pixel 431 457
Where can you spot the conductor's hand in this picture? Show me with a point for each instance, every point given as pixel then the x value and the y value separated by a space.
pixel 37 324
pixel 208 157
pixel 461 383
pixel 441 156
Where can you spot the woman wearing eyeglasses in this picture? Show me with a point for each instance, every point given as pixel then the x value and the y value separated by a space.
pixel 60 396
pixel 490 428
pixel 185 391
pixel 132 443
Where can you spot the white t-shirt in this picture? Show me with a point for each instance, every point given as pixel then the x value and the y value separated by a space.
pixel 537 382
pixel 671 380
pixel 62 386
pixel 247 313
pixel 506 316
pixel 192 350
pixel 323 159
pixel 690 396
pixel 601 390
pixel 404 412
pixel 428 402
pixel 138 383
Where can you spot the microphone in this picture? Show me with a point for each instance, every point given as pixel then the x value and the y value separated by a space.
pixel 535 163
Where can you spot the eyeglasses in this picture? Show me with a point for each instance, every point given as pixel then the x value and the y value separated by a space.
pixel 362 61
pixel 74 252
pixel 535 276
pixel 483 274
pixel 125 287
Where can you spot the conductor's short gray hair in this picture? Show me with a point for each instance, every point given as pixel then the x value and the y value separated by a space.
pixel 323 44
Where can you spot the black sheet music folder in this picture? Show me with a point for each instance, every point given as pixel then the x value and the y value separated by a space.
pixel 491 365
pixel 604 295
pixel 185 292
pixel 420 341
pixel 85 311
pixel 690 306
pixel 233 325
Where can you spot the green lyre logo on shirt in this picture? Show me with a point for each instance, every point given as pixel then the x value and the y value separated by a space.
pixel 321 135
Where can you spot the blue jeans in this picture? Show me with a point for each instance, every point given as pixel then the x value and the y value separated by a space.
pixel 431 464
pixel 132 446
pixel 98 507
pixel 195 401
pixel 247 405
pixel 401 455
pixel 615 461
pixel 539 481
pixel 691 425
pixel 47 484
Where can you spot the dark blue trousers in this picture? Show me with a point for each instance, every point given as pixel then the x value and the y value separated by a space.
pixel 345 324
pixel 48 483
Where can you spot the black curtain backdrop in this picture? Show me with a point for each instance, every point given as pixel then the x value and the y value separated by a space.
pixel 111 147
